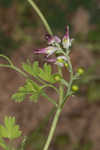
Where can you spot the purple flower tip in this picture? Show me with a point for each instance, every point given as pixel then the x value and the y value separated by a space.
pixel 67 31
pixel 54 39
pixel 40 51
pixel 47 36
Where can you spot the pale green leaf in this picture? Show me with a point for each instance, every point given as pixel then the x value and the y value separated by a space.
pixel 10 130
pixel 20 95
pixel 32 69
pixel 30 88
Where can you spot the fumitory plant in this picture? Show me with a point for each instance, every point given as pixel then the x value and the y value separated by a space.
pixel 57 52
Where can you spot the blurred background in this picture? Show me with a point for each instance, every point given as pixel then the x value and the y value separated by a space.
pixel 21 31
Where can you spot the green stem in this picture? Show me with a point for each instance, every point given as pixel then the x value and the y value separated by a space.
pixel 14 68
pixel 32 3
pixel 53 127
pixel 18 70
pixel 51 86
pixel 50 99
pixel 56 117
pixel 70 82
pixel 6 58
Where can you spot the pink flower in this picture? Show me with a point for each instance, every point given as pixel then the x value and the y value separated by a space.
pixel 52 39
pixel 66 41
pixel 60 60
pixel 48 50
pixel 56 46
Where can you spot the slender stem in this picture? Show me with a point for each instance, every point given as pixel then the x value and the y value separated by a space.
pixel 56 117
pixel 18 70
pixel 51 86
pixel 50 99
pixel 14 68
pixel 70 82
pixel 6 58
pixel 53 127
pixel 32 3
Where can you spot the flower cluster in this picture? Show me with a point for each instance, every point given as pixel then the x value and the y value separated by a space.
pixel 58 47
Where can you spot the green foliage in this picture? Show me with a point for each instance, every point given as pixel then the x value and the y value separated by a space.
pixel 44 74
pixel 32 69
pixel 10 130
pixel 30 88
pixel 20 95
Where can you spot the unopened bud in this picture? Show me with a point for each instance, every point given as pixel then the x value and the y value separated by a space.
pixel 57 78
pixel 80 71
pixel 66 65
pixel 75 88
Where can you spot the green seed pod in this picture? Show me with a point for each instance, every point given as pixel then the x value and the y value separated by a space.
pixel 66 65
pixel 75 88
pixel 80 71
pixel 57 78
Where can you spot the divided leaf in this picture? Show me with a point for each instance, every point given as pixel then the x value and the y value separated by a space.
pixel 30 88
pixel 10 129
pixel 20 95
pixel 46 74
pixel 32 69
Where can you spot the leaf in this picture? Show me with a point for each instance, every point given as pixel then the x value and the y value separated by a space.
pixel 34 97
pixel 30 88
pixel 47 69
pixel 36 68
pixel 35 90
pixel 10 129
pixel 32 69
pixel 20 95
pixel 46 74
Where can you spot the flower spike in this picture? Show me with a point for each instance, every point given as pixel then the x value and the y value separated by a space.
pixel 56 46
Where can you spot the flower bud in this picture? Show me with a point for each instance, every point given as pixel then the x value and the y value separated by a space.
pixel 57 78
pixel 80 71
pixel 60 60
pixel 75 88
pixel 66 65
